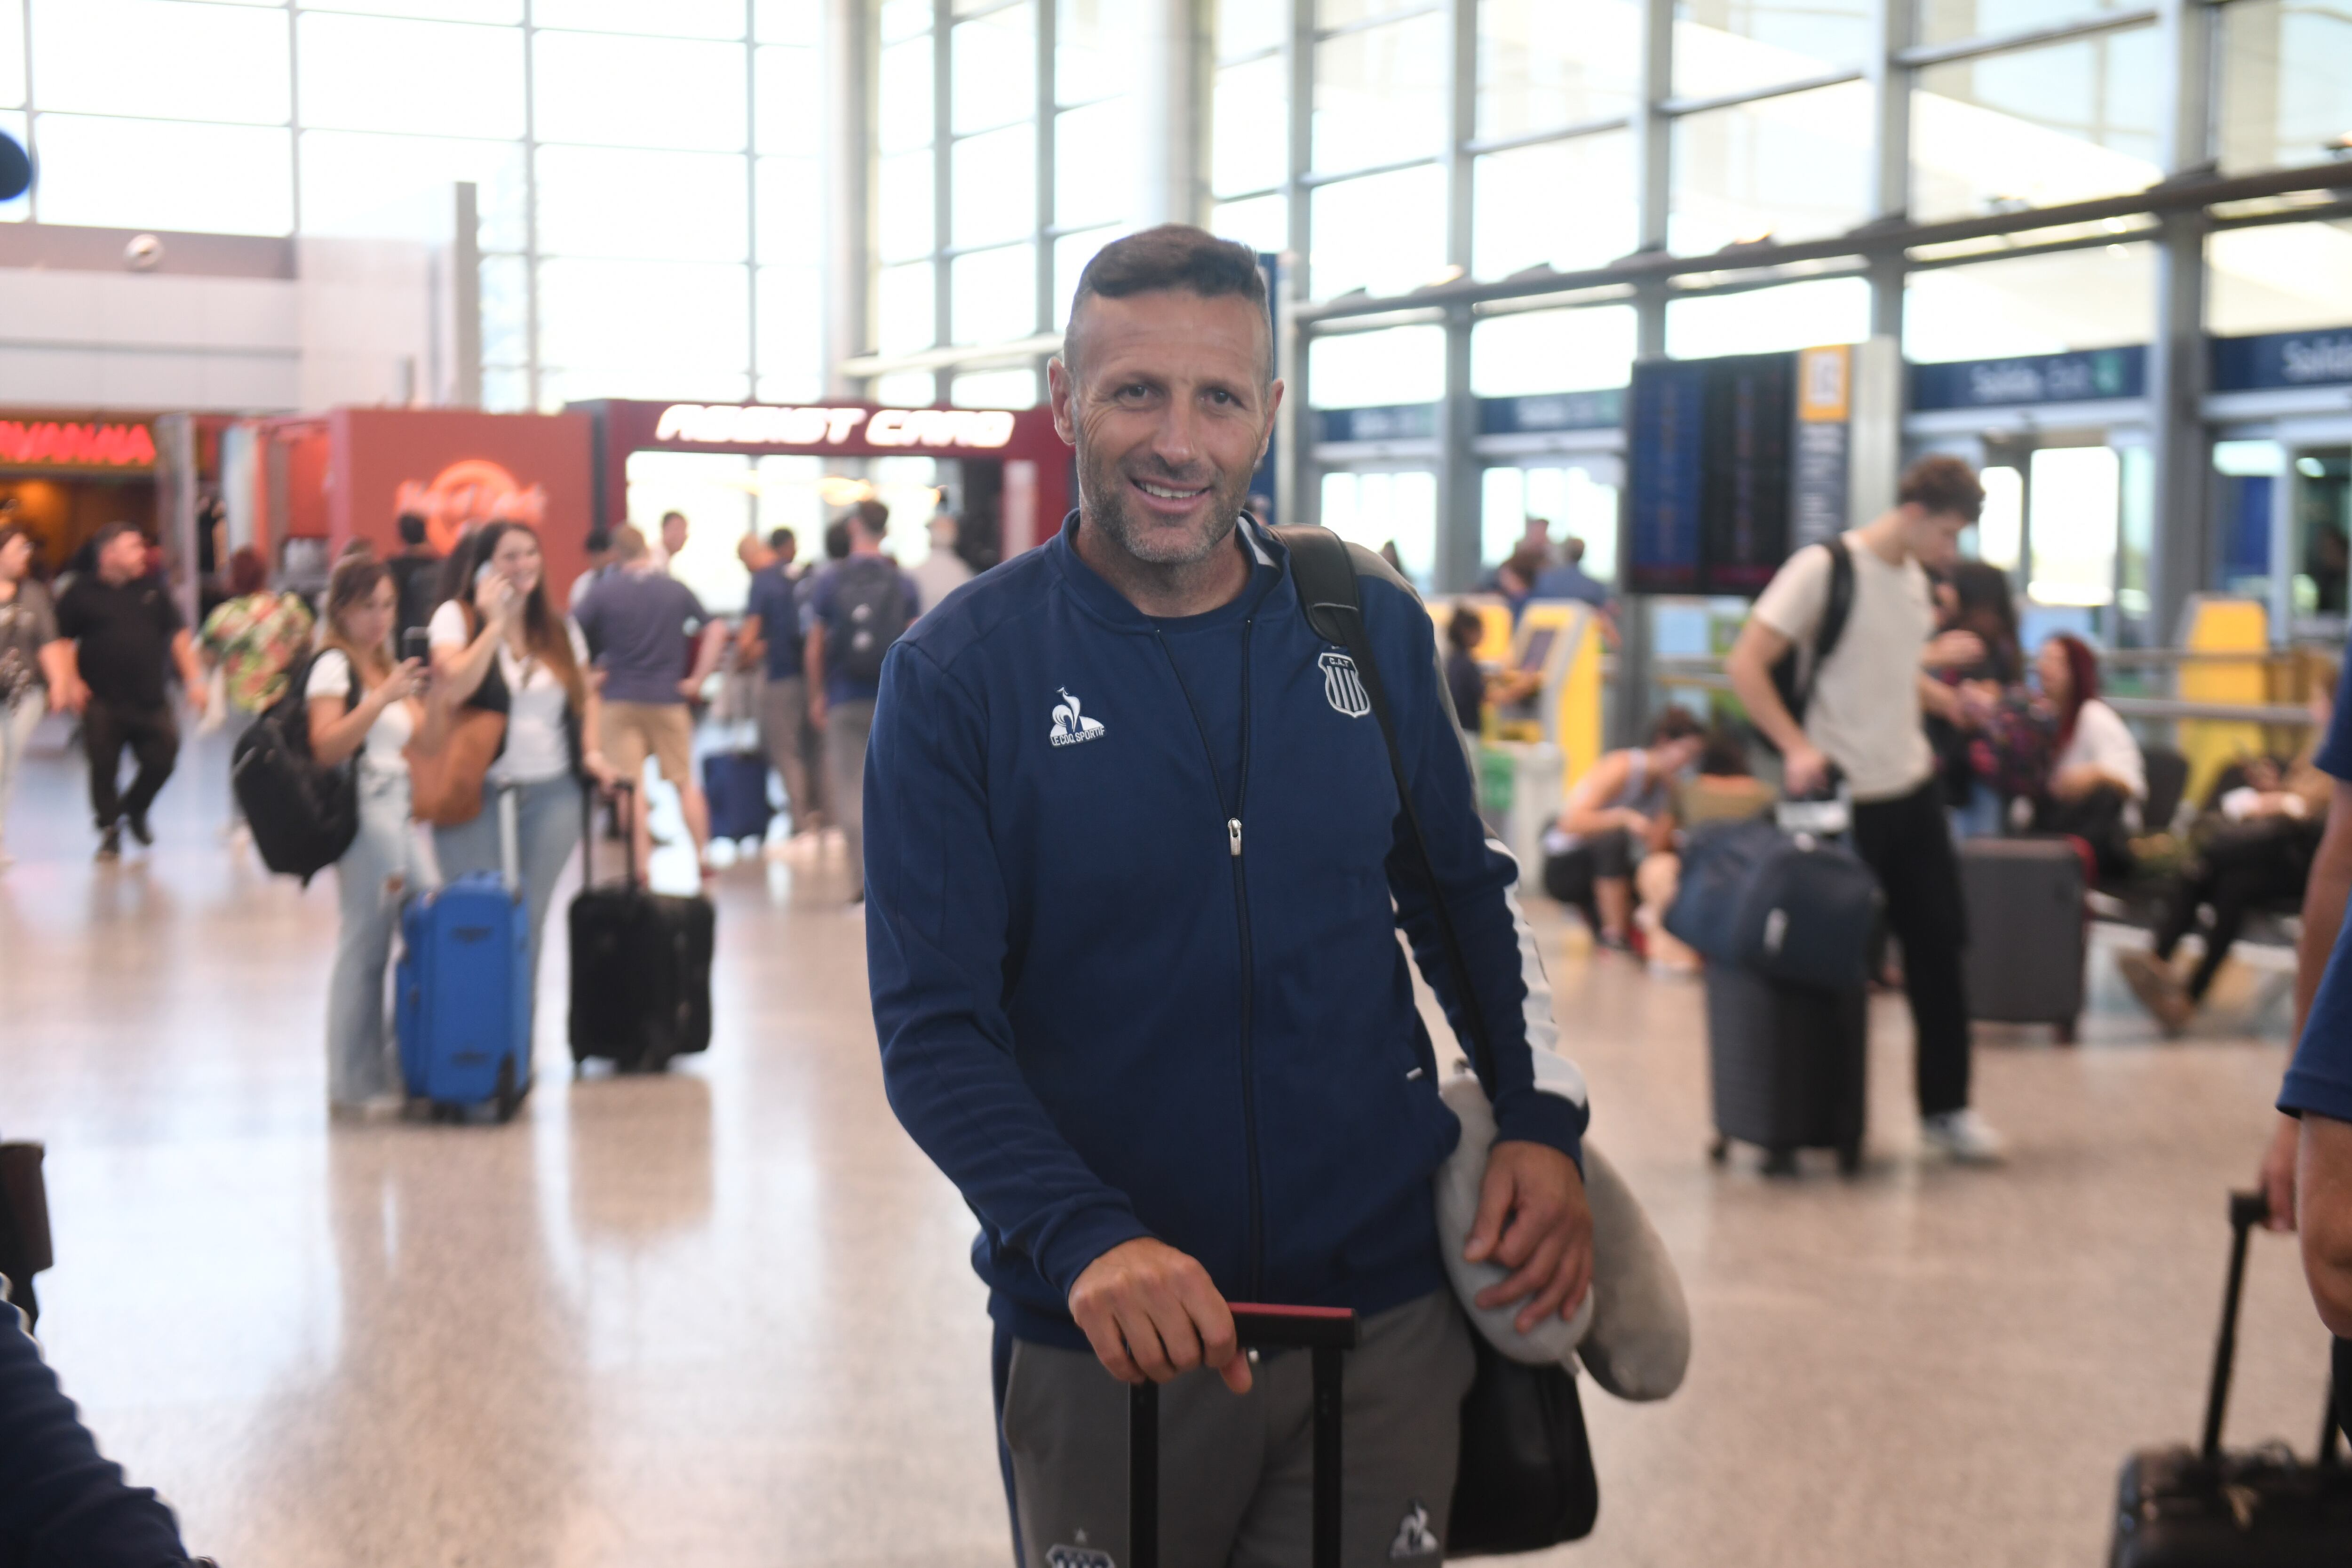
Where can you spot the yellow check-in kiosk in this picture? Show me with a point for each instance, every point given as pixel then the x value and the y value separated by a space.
pixel 2212 623
pixel 1541 743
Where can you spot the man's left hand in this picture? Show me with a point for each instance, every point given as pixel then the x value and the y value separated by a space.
pixel 1532 1219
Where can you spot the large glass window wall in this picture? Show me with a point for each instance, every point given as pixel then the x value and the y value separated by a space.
pixel 646 179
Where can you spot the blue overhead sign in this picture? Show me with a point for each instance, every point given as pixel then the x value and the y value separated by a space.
pixel 2276 360
pixel 1602 410
pixel 1397 422
pixel 2036 378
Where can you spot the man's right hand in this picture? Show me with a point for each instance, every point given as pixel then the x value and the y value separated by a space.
pixel 1151 1312
pixel 1803 770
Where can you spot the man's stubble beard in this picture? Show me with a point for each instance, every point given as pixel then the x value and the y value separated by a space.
pixel 1103 489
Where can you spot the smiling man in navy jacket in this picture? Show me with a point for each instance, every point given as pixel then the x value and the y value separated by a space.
pixel 1136 878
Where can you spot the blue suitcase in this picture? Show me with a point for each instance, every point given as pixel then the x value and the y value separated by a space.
pixel 462 1003
pixel 735 785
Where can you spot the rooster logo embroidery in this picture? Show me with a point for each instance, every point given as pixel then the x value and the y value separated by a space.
pixel 1070 725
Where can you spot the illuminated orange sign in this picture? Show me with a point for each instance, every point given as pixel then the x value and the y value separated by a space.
pixel 468 494
pixel 52 444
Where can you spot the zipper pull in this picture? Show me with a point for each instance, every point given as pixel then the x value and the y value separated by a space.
pixel 1234 836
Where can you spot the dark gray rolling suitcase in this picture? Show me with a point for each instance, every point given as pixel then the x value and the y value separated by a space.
pixel 1327 1333
pixel 1789 1064
pixel 2207 1507
pixel 2027 934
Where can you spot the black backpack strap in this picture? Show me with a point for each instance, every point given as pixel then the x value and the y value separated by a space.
pixel 1325 569
pixel 1835 612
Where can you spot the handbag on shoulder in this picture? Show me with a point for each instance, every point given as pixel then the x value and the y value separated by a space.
pixel 1525 1479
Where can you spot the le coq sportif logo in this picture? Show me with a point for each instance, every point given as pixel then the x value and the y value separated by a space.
pixel 1070 725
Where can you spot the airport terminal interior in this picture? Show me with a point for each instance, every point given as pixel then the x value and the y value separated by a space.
pixel 1590 315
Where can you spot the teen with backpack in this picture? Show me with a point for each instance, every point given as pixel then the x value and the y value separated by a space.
pixel 1861 714
pixel 856 611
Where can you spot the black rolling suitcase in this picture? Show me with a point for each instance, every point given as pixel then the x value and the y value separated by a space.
pixel 1789 1064
pixel 640 969
pixel 1327 1333
pixel 2027 934
pixel 2205 1507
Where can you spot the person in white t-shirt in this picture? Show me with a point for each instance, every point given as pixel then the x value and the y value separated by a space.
pixel 503 646
pixel 364 709
pixel 1864 717
pixel 2098 779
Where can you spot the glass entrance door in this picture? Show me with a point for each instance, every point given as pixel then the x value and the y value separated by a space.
pixel 2319 482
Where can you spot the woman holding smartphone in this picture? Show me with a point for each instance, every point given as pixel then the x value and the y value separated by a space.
pixel 364 705
pixel 500 647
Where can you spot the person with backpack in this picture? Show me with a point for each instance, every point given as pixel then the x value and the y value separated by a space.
pixel 856 611
pixel 1138 879
pixel 1855 614
pixel 367 709
pixel 252 639
pixel 633 622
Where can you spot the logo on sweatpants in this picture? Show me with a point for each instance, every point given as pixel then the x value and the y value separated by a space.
pixel 1343 687
pixel 1413 1537
pixel 1079 1557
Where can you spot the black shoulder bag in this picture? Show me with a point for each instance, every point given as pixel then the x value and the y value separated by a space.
pixel 1524 1477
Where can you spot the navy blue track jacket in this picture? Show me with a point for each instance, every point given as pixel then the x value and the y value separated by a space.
pixel 1120 995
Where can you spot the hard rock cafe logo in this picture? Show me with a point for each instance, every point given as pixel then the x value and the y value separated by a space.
pixel 466 495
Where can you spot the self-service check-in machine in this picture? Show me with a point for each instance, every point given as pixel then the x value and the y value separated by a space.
pixel 1539 743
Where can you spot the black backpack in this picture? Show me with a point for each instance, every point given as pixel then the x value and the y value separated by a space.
pixel 869 613
pixel 303 816
pixel 1794 673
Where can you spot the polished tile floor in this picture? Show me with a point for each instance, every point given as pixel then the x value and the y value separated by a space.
pixel 725 1317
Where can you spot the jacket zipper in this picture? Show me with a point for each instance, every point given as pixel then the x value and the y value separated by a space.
pixel 1241 914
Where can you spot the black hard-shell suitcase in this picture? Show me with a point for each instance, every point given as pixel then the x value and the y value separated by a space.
pixel 1326 1334
pixel 2027 933
pixel 2205 1507
pixel 1789 1064
pixel 640 969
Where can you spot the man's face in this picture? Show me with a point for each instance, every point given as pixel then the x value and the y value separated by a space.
pixel 1933 538
pixel 673 533
pixel 124 557
pixel 1170 411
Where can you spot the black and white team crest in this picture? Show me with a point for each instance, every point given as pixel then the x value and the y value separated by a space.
pixel 1079 1557
pixel 1415 1538
pixel 1071 726
pixel 1343 687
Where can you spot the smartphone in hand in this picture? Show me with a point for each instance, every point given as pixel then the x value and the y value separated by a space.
pixel 416 643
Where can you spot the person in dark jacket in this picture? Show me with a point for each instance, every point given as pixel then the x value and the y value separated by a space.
pixel 1132 840
pixel 60 1499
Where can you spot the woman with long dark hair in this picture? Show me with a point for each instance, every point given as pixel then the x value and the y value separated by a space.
pixel 2098 778
pixel 364 709
pixel 500 646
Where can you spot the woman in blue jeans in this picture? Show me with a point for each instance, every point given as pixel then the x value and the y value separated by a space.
pixel 500 646
pixel 364 708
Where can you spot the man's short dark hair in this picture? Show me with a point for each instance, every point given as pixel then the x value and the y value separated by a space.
pixel 107 535
pixel 411 529
pixel 837 540
pixel 1943 485
pixel 873 517
pixel 781 540
pixel 1172 256
pixel 600 540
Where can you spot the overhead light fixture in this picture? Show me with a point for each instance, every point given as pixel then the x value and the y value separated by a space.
pixel 1750 241
pixel 2340 147
pixel 1450 275
pixel 2311 467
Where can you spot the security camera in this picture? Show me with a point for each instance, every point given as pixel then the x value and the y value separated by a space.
pixel 142 253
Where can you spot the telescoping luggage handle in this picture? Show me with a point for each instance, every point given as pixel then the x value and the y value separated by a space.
pixel 625 789
pixel 1324 1332
pixel 2247 1210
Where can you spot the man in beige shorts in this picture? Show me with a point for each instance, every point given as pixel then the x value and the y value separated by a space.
pixel 639 623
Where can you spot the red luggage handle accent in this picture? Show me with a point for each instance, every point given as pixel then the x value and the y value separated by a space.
pixel 1294 1328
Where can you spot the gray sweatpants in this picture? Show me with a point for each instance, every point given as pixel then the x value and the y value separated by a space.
pixel 1237 1473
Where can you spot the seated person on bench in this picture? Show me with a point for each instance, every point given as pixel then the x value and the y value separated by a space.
pixel 2255 844
pixel 2098 778
pixel 1725 791
pixel 1623 806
